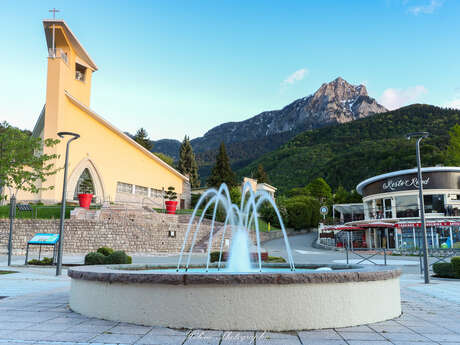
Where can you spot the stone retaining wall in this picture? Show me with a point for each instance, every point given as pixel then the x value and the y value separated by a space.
pixel 83 235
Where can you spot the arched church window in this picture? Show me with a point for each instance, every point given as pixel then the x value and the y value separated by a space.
pixel 84 185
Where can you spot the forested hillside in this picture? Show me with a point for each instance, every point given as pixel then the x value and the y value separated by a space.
pixel 348 153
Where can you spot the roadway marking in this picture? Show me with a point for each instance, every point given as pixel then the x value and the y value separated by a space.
pixel 307 252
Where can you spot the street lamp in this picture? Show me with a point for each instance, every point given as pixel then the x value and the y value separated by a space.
pixel 420 136
pixel 61 225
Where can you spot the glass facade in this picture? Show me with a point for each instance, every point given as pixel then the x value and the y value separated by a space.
pixel 406 206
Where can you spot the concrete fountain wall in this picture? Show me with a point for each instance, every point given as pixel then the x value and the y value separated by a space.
pixel 251 301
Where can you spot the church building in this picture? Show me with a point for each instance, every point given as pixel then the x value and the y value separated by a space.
pixel 121 170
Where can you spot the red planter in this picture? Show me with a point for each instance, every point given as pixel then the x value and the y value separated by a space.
pixel 85 200
pixel 171 207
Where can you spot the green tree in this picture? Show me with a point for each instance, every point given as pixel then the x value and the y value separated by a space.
pixel 222 172
pixel 187 163
pixel 23 165
pixel 260 175
pixel 165 158
pixel 453 149
pixel 319 189
pixel 341 196
pixel 142 138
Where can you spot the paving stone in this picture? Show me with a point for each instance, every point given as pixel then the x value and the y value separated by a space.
pixel 154 339
pixel 320 334
pixel 391 329
pixel 168 331
pixel 355 329
pixel 443 337
pixel 204 341
pixel 369 342
pixel 88 328
pixel 414 343
pixel 130 329
pixel 274 335
pixel 31 335
pixel 72 337
pixel 116 338
pixel 15 325
pixel 361 336
pixel 284 341
pixel 414 337
pixel 200 333
pixel 324 342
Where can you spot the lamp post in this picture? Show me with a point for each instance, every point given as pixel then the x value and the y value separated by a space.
pixel 420 136
pixel 61 224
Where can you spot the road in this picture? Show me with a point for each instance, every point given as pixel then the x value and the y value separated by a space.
pixel 302 252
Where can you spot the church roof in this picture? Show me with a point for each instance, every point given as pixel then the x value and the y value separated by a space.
pixel 122 135
pixel 81 52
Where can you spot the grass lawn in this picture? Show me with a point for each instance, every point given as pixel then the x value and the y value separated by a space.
pixel 38 211
pixel 7 272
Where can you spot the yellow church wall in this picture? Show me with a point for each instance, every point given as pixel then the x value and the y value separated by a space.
pixel 116 158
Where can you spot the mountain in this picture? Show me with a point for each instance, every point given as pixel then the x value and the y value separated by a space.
pixel 169 147
pixel 333 103
pixel 348 153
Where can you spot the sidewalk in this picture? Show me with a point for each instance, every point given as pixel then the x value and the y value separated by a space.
pixel 37 312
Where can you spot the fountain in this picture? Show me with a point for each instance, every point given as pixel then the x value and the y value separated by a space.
pixel 242 293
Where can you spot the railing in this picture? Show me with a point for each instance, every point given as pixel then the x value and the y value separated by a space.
pixel 58 53
pixel 366 255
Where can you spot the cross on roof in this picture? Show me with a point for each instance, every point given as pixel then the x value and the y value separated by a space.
pixel 54 12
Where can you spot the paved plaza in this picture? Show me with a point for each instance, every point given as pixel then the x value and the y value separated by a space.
pixel 34 310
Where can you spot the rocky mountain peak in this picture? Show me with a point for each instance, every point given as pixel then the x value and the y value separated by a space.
pixel 335 102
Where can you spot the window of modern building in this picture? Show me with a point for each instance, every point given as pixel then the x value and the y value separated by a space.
pixel 156 193
pixel 124 187
pixel 142 190
pixel 406 206
pixel 434 203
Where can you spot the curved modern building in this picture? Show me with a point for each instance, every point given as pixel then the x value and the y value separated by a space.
pixel 391 209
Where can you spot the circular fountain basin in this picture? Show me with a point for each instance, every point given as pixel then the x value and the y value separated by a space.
pixel 275 299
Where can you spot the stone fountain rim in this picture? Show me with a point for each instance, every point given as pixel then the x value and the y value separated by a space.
pixel 135 274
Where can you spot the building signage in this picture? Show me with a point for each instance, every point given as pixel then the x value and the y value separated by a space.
pixel 398 183
pixel 408 182
pixel 419 225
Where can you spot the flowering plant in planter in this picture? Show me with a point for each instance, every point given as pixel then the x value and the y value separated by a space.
pixel 171 203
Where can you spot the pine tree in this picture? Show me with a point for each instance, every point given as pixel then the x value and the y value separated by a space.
pixel 187 163
pixel 222 172
pixel 260 175
pixel 142 138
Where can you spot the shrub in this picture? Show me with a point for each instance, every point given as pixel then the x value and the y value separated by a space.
pixel 443 270
pixel 268 214
pixel 117 257
pixel 45 261
pixel 275 259
pixel 130 259
pixel 214 257
pixel 194 199
pixel 106 251
pixel 94 258
pixel 455 261
pixel 303 212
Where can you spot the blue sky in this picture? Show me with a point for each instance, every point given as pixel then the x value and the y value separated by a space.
pixel 182 67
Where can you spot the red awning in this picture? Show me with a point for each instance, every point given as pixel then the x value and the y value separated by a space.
pixel 377 225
